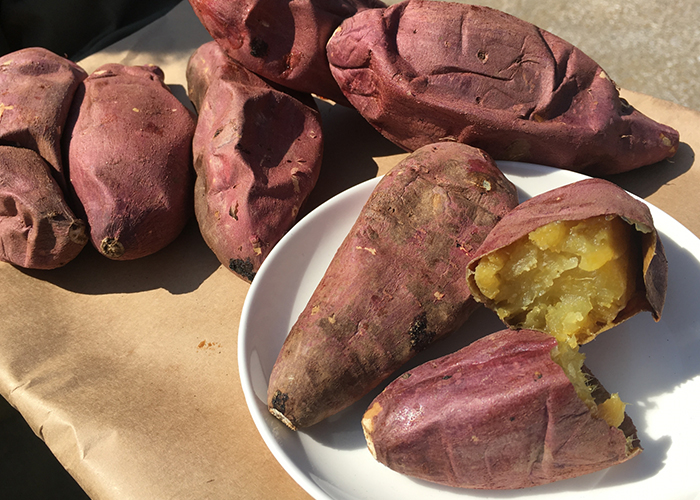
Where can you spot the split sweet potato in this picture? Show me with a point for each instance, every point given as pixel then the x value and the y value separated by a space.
pixel 512 410
pixel 36 91
pixel 395 285
pixel 281 40
pixel 38 229
pixel 257 155
pixel 129 147
pixel 423 71
pixel 573 262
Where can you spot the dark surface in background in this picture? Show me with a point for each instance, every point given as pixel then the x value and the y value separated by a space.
pixel 74 28
pixel 28 469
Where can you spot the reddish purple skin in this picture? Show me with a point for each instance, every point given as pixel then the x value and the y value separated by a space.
pixel 579 201
pixel 281 40
pixel 38 230
pixel 36 91
pixel 129 149
pixel 395 285
pixel 257 154
pixel 421 71
pixel 497 414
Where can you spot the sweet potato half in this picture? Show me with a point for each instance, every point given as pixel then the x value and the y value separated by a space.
pixel 573 262
pixel 281 40
pixel 129 146
pixel 36 91
pixel 395 285
pixel 38 229
pixel 422 71
pixel 512 410
pixel 257 155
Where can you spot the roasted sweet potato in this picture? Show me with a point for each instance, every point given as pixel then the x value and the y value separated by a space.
pixel 281 40
pixel 501 413
pixel 257 155
pixel 395 285
pixel 36 91
pixel 573 262
pixel 38 230
pixel 422 71
pixel 129 148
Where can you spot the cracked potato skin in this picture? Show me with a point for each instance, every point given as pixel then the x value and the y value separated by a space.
pixel 395 285
pixel 36 91
pixel 257 156
pixel 129 147
pixel 423 71
pixel 497 414
pixel 281 40
pixel 38 229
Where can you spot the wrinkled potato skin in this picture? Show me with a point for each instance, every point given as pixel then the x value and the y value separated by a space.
pixel 497 414
pixel 36 90
pixel 38 230
pixel 129 148
pixel 281 40
pixel 257 154
pixel 395 285
pixel 578 201
pixel 422 71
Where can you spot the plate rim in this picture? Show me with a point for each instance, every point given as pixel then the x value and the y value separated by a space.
pixel 510 169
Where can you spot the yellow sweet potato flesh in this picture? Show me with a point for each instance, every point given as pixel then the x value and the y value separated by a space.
pixel 568 278
pixel 612 410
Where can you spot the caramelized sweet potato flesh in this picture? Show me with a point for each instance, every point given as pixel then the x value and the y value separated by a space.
pixel 568 278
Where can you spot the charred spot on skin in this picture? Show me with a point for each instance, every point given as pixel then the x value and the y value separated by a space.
pixel 625 107
pixel 279 400
pixel 258 48
pixel 242 267
pixel 420 336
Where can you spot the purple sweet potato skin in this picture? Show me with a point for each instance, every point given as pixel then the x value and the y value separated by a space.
pixel 257 155
pixel 579 201
pixel 36 90
pixel 129 148
pixel 281 40
pixel 38 230
pixel 497 414
pixel 395 285
pixel 420 71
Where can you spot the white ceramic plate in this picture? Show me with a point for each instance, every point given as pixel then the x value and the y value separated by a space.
pixel 654 366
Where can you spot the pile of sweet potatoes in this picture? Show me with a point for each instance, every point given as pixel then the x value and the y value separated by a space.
pixel 104 157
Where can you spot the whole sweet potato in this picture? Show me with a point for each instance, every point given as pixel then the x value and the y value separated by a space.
pixel 573 261
pixel 38 230
pixel 422 71
pixel 500 413
pixel 257 155
pixel 36 90
pixel 129 148
pixel 281 40
pixel 395 285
